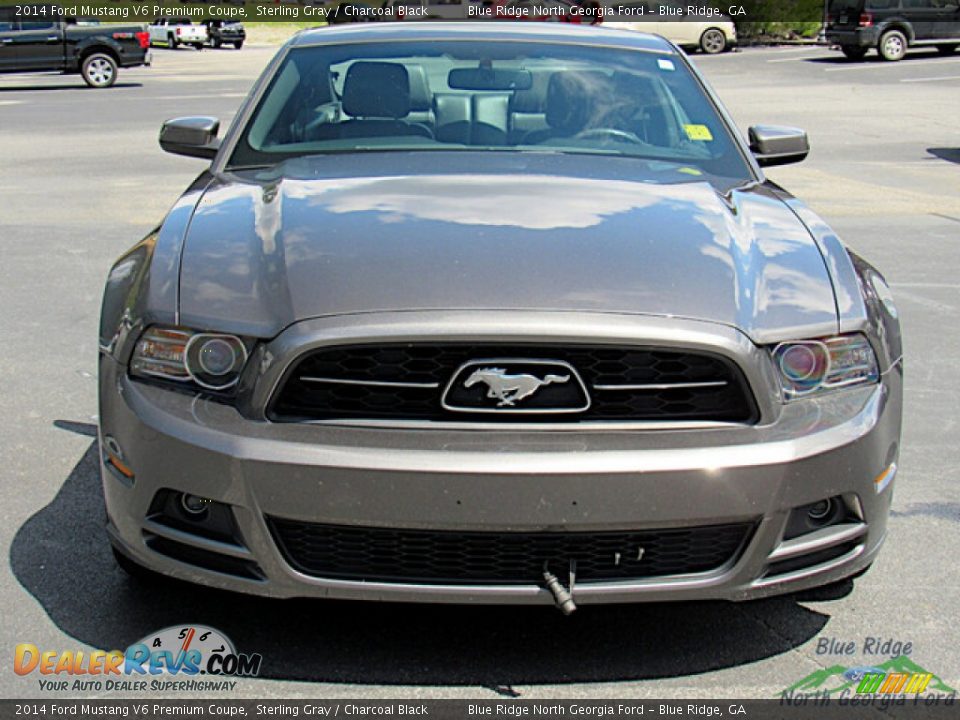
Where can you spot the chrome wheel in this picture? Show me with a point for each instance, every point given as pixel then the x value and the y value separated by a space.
pixel 713 41
pixel 99 71
pixel 893 46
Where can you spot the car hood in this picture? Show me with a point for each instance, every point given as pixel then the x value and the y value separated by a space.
pixel 441 231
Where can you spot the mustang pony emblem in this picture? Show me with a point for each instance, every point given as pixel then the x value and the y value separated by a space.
pixel 508 389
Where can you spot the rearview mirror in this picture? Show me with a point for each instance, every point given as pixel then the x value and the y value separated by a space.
pixel 483 78
pixel 191 136
pixel 776 145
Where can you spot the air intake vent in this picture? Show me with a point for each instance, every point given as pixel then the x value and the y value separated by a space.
pixel 453 557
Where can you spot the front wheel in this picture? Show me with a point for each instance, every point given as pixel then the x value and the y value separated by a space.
pixel 215 43
pixel 893 45
pixel 173 42
pixel 238 44
pixel 854 52
pixel 713 41
pixel 198 46
pixel 99 70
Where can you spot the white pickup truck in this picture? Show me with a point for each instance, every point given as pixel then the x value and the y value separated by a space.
pixel 176 31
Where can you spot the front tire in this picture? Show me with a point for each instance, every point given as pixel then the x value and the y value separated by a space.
pixel 173 42
pixel 238 44
pixel 215 43
pixel 99 70
pixel 854 52
pixel 198 46
pixel 893 46
pixel 713 41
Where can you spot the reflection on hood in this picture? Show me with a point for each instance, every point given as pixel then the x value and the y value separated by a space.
pixel 361 233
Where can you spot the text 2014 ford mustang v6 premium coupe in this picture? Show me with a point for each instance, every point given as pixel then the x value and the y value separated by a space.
pixel 501 315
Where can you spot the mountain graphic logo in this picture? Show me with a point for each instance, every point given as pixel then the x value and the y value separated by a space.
pixel 897 675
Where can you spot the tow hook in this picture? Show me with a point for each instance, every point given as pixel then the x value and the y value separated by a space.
pixel 562 597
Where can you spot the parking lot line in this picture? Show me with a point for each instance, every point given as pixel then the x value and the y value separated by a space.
pixel 800 49
pixel 874 66
pixel 796 58
pixel 194 97
pixel 931 79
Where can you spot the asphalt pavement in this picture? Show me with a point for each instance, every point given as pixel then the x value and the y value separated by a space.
pixel 82 178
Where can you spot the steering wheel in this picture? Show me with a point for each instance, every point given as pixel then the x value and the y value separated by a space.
pixel 611 133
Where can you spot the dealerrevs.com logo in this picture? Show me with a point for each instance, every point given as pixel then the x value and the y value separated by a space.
pixel 169 660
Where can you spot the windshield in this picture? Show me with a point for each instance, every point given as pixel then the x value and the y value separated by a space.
pixel 483 96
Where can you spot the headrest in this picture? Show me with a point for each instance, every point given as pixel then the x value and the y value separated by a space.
pixel 572 98
pixel 534 99
pixel 420 97
pixel 376 90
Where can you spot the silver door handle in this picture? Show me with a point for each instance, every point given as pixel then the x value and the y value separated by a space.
pixel 6 41
pixel 53 38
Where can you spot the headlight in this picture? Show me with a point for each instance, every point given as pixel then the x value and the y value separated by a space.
pixel 211 360
pixel 807 367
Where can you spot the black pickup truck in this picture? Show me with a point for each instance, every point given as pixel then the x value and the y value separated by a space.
pixel 37 44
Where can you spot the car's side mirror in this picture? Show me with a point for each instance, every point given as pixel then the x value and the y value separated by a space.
pixel 776 145
pixel 191 136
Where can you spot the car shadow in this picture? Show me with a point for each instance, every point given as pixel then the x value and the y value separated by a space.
pixel 78 85
pixel 948 154
pixel 61 556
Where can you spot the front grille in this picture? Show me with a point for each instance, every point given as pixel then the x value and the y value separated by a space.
pixel 407 382
pixel 452 557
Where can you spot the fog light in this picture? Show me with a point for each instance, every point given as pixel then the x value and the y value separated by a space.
pixel 820 510
pixel 194 504
pixel 194 514
pixel 816 516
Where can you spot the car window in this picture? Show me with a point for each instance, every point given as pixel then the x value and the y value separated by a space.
pixel 845 6
pixel 489 96
pixel 39 25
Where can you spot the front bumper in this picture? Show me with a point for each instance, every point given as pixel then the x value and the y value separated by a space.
pixel 502 480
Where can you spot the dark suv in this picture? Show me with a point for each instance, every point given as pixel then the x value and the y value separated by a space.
pixel 225 32
pixel 892 26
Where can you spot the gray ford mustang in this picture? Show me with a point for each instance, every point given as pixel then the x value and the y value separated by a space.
pixel 506 314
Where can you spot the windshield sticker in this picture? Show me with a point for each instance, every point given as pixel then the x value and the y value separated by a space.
pixel 665 64
pixel 698 132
